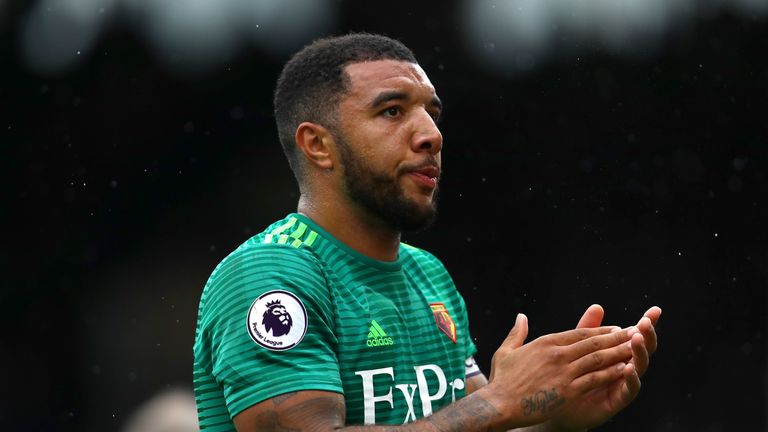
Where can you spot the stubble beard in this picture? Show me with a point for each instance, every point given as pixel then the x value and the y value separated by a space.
pixel 381 195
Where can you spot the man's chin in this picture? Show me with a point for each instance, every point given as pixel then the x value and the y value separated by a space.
pixel 418 220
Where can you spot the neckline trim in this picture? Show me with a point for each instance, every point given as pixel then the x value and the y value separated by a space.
pixel 383 265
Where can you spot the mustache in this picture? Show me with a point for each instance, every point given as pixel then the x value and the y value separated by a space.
pixel 428 162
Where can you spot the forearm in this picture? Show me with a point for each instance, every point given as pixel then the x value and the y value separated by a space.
pixel 470 414
pixel 473 413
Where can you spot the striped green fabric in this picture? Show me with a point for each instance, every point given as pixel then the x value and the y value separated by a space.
pixel 357 326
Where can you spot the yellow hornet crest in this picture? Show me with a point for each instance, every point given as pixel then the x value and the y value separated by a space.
pixel 444 321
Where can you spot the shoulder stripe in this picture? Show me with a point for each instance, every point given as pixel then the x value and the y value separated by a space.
pixel 291 222
pixel 299 231
pixel 311 238
pixel 294 238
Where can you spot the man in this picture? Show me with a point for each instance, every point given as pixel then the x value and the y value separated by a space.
pixel 326 320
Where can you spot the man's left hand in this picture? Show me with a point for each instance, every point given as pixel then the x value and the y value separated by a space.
pixel 599 405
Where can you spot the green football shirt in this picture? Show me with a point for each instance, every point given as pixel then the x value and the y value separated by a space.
pixel 294 309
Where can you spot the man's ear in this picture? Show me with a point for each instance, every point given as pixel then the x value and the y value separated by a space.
pixel 315 142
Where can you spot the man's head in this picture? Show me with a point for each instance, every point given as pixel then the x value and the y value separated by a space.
pixel 360 110
pixel 314 80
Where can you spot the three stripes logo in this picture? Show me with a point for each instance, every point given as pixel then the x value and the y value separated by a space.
pixel 377 336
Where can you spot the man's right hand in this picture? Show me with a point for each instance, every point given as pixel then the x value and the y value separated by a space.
pixel 531 382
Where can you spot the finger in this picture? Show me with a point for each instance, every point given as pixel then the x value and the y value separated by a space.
pixel 649 334
pixel 570 337
pixel 631 386
pixel 654 313
pixel 596 343
pixel 639 353
pixel 598 378
pixel 519 332
pixel 592 317
pixel 597 360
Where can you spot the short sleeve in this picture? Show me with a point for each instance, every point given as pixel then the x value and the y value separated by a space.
pixel 269 318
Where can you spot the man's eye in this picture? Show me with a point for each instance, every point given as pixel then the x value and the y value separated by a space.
pixel 392 112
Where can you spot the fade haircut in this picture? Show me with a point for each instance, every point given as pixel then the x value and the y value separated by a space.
pixel 313 82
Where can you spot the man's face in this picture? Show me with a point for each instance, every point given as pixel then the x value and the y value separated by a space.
pixel 389 145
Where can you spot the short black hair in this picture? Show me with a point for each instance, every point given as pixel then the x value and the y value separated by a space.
pixel 313 82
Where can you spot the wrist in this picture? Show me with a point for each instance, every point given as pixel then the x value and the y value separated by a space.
pixel 508 415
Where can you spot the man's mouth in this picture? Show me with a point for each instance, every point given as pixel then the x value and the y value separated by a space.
pixel 426 176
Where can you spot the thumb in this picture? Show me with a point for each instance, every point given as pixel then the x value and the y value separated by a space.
pixel 519 332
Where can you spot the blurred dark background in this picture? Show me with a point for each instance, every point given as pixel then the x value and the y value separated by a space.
pixel 612 153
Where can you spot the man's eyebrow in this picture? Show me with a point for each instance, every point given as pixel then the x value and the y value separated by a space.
pixel 387 96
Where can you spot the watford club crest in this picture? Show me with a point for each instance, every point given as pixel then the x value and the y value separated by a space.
pixel 444 321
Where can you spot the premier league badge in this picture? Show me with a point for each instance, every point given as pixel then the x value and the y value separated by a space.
pixel 277 320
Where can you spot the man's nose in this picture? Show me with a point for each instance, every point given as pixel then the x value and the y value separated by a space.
pixel 426 135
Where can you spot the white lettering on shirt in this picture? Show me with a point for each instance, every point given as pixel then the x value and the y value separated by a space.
pixel 368 396
pixel 425 375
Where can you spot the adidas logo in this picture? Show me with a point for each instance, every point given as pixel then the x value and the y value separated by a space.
pixel 377 336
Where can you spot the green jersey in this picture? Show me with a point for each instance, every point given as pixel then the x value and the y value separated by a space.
pixel 295 309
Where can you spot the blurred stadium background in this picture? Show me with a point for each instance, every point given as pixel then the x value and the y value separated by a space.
pixel 609 151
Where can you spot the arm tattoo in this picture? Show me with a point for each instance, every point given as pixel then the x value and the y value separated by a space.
pixel 292 413
pixel 543 401
pixel 287 414
pixel 472 413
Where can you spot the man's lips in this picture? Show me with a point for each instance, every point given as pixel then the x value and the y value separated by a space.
pixel 425 176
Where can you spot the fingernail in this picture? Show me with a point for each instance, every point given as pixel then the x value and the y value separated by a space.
pixel 620 366
pixel 615 329
pixel 632 331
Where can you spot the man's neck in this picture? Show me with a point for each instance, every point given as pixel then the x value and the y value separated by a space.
pixel 353 227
